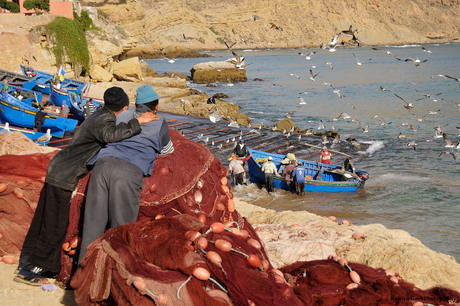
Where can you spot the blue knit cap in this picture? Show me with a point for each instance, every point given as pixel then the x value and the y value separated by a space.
pixel 146 94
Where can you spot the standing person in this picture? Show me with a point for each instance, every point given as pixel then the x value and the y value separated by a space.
pixel 299 178
pixel 325 156
pixel 89 108
pixel 269 170
pixel 288 176
pixel 64 109
pixel 116 181
pixel 348 166
pixel 39 119
pixel 41 251
pixel 240 149
pixel 236 169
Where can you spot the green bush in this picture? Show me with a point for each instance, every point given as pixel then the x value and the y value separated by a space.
pixel 10 6
pixel 69 43
pixel 85 21
pixel 43 5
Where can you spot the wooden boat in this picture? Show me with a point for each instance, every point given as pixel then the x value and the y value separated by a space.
pixel 20 114
pixel 44 79
pixel 333 178
pixel 16 79
pixel 29 133
pixel 74 99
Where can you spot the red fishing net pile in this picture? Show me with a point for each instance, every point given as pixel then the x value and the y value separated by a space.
pixel 179 253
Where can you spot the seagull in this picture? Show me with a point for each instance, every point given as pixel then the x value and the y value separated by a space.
pixel 330 65
pixel 337 91
pixel 419 118
pixel 383 89
pixel 402 136
pixel 239 60
pixel 412 144
pixel 45 138
pixel 335 40
pixel 199 136
pixel 434 112
pixel 382 121
pixel 6 129
pixel 357 60
pixel 352 105
pixel 388 52
pixel 449 77
pixel 307 56
pixel 214 117
pixel 416 61
pixel 294 75
pixel 449 143
pixel 169 60
pixel 229 47
pixel 427 95
pixel 355 40
pixel 408 105
pixel 302 101
pixel 325 141
pixel 426 50
pixel 350 31
pixel 233 124
pixel 365 129
pixel 447 153
pixel 410 126
pixel 313 76
pixel 438 131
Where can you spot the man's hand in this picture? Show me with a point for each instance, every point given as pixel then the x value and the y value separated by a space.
pixel 147 117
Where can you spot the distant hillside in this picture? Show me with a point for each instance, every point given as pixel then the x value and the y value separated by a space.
pixel 206 24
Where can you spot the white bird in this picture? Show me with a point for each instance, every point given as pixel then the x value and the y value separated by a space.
pixel 302 101
pixel 335 40
pixel 45 138
pixel 402 136
pixel 294 75
pixel 408 105
pixel 169 60
pixel 383 89
pixel 233 124
pixel 214 117
pixel 426 50
pixel 313 76
pixel 199 136
pixel 412 144
pixel 358 62
pixel 321 125
pixel 416 61
pixel 337 91
pixel 6 129
pixel 449 143
pixel 330 65
pixel 447 153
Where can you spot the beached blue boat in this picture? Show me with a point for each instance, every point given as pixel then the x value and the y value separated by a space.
pixel 15 79
pixel 44 79
pixel 20 114
pixel 29 133
pixel 333 178
pixel 74 99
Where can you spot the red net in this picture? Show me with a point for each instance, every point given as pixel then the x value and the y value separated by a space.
pixel 152 260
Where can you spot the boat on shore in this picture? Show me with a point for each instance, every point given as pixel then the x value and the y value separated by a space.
pixel 20 114
pixel 319 177
pixel 44 79
pixel 16 79
pixel 29 133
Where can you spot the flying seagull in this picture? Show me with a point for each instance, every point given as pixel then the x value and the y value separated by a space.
pixel 408 105
pixel 388 52
pixel 416 61
pixel 447 153
pixel 313 76
pixel 449 143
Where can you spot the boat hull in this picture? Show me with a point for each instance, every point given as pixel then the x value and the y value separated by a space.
pixel 331 179
pixel 31 134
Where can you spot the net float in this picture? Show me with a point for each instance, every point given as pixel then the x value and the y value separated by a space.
pixel 214 257
pixel 164 171
pixel 331 257
pixel 265 265
pixel 223 198
pixel 352 286
pixel 8 260
pixel 224 189
pixel 71 252
pixel 278 272
pixel 244 233
pixel 199 184
pixel 18 193
pixel 202 218
pixel 357 236
pixel 66 246
pixel 220 206
pixel 163 298
pixel 22 183
pixel 345 222
pixel 159 216
pixel 224 180
pixel 394 279
pixel 153 188
pixel 202 242
pixel 201 273
pixel 74 243
pixel 198 196
pixel 235 231
pixel 3 187
pixel 223 245
pixel 230 205
pixel 192 235
pixel 139 283
pixel 253 260
pixel 390 273
pixel 355 277
pixel 343 262
pixel 254 243
pixel 217 227
pixel 332 218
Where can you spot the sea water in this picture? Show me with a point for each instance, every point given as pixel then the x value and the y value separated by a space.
pixel 414 190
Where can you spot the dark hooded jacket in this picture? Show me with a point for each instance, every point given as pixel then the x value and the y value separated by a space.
pixel 69 165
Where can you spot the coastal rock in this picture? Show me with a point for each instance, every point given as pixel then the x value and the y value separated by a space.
pixel 210 72
pixel 285 125
pixel 100 74
pixel 128 70
pixel 295 236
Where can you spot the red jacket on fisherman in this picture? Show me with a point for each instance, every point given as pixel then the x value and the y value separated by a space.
pixel 325 156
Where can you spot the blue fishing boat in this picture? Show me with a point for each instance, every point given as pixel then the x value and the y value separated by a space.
pixel 15 79
pixel 319 177
pixel 18 113
pixel 74 99
pixel 29 133
pixel 44 79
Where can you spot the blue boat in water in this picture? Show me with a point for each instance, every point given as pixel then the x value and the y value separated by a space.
pixel 319 177
pixel 21 114
pixel 74 99
pixel 44 79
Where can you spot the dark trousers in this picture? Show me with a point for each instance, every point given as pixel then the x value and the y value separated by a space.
pixel 300 188
pixel 291 186
pixel 113 196
pixel 238 179
pixel 43 242
pixel 269 181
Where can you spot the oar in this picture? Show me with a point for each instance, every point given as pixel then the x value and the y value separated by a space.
pixel 333 151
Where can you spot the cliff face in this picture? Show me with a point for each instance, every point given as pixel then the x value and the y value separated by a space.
pixel 205 24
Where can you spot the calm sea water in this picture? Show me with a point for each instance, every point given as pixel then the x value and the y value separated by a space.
pixel 413 190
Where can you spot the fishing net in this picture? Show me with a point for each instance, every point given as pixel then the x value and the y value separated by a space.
pixel 180 253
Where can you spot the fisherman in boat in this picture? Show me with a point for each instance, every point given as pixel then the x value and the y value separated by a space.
pixel 325 157
pixel 39 119
pixel 348 166
pixel 240 149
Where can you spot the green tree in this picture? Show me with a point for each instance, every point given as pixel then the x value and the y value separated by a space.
pixel 37 5
pixel 10 6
